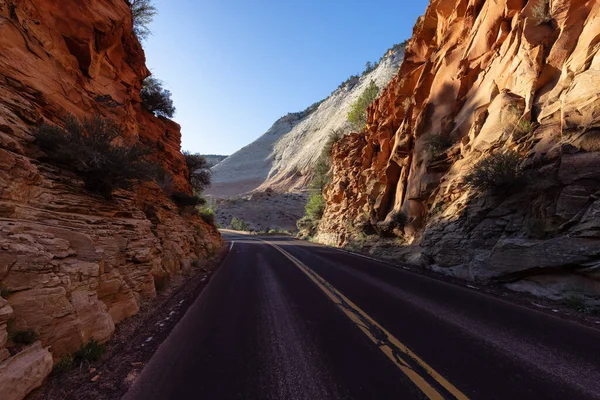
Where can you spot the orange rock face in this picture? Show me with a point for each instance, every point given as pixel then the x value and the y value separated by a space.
pixel 481 77
pixel 72 265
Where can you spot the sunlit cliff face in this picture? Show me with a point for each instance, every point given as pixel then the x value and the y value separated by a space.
pixel 72 264
pixel 481 78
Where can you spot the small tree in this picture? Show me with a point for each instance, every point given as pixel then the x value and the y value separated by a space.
pixel 156 99
pixel 321 172
pixel 321 176
pixel 334 136
pixel 358 112
pixel 143 14
pixel 200 173
pixel 369 67
pixel 315 206
pixel 238 225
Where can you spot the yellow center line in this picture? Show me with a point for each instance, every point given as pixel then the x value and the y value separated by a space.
pixel 344 304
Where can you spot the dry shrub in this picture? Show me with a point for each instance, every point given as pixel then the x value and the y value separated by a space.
pixel 496 172
pixel 87 148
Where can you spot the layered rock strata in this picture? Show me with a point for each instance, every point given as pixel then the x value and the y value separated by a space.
pixel 72 264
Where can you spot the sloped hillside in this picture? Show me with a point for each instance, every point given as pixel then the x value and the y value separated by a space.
pixel 283 158
pixel 74 264
pixel 483 80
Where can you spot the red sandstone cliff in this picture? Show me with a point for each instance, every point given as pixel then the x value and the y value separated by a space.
pixel 474 71
pixel 72 265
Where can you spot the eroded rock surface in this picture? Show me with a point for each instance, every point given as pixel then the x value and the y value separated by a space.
pixel 22 373
pixel 72 265
pixel 484 76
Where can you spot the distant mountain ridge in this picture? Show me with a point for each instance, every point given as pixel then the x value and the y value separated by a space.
pixel 283 157
pixel 213 159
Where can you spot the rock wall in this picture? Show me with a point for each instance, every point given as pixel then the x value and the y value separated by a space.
pixel 484 77
pixel 72 265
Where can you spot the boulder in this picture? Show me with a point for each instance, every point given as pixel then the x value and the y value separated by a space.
pixel 25 371
pixel 515 258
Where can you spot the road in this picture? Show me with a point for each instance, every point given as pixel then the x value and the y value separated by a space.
pixel 285 319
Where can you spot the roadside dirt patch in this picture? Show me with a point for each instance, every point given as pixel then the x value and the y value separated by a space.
pixel 262 210
pixel 134 343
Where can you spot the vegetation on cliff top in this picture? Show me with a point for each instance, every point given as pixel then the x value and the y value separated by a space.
pixel 358 112
pixel 157 99
pixel 143 14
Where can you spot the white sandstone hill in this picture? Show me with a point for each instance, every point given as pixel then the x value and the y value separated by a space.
pixel 283 158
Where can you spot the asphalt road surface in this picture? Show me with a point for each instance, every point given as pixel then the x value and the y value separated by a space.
pixel 285 319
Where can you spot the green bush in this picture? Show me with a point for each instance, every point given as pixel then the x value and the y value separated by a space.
pixel 156 99
pixel 334 136
pixel 322 170
pixel 208 215
pixel 198 167
pixel 358 112
pixel 315 207
pixel 143 13
pixel 522 129
pixel 238 225
pixel 87 148
pixel 496 172
pixel 321 176
pixel 25 337
pixel 90 352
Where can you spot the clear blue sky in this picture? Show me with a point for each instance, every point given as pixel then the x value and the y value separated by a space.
pixel 236 66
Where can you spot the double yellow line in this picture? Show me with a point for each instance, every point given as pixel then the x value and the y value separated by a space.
pixel 432 384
